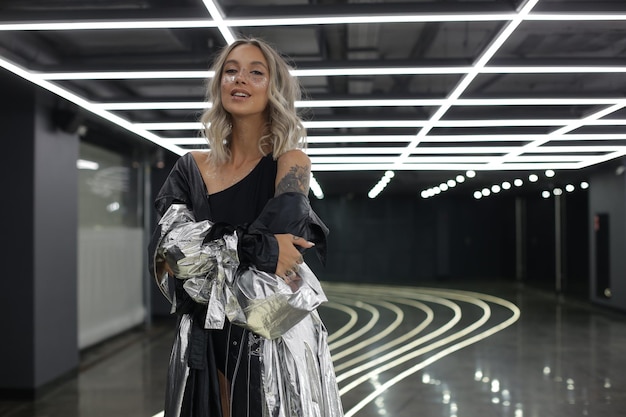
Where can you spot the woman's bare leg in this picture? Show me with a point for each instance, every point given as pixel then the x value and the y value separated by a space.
pixel 224 396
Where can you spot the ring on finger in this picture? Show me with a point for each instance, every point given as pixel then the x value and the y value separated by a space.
pixel 289 273
pixel 296 237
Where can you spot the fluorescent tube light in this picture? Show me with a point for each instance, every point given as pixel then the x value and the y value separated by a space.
pixel 174 105
pixel 87 105
pixel 442 167
pixel 192 105
pixel 126 75
pixel 300 21
pixel 338 72
pixel 218 17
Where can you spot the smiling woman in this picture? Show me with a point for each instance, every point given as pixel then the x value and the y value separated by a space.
pixel 235 222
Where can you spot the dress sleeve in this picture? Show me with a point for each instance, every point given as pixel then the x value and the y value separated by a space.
pixel 291 212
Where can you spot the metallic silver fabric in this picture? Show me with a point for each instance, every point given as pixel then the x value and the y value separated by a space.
pixel 266 305
pixel 298 379
pixel 178 368
pixel 301 355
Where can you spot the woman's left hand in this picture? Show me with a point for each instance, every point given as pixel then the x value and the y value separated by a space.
pixel 289 257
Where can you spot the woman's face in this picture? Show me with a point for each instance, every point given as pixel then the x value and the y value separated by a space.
pixel 245 81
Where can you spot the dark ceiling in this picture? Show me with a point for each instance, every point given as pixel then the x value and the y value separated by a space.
pixel 426 89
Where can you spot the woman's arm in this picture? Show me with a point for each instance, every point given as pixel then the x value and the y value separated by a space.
pixel 293 175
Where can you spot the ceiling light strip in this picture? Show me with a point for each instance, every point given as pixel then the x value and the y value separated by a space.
pixel 447 159
pixel 219 21
pixel 342 124
pixel 174 105
pixel 87 105
pixel 458 150
pixel 337 72
pixel 493 47
pixel 592 119
pixel 218 17
pixel 126 75
pixel 570 69
pixel 604 158
pixel 302 21
pixel 360 139
pixel 316 139
pixel 442 167
pixel 529 138
pixel 189 141
pixel 171 105
pixel 440 138
pixel 108 25
pixel 568 17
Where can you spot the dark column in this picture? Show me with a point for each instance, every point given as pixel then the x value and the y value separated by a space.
pixel 39 222
pixel 607 209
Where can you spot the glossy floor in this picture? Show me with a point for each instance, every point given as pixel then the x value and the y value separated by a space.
pixel 465 351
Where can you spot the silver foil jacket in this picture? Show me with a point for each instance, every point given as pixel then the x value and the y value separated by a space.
pixel 298 379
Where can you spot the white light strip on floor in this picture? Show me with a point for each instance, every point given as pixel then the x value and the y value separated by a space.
pixel 459 295
pixel 390 328
pixel 363 329
pixel 447 351
pixel 368 354
pixel 350 324
pixel 388 365
pixel 406 348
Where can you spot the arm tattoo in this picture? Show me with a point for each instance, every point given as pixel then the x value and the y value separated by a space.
pixel 296 180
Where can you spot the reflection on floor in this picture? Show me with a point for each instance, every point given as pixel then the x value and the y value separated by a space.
pixel 476 350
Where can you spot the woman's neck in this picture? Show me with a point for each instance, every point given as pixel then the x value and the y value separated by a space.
pixel 245 138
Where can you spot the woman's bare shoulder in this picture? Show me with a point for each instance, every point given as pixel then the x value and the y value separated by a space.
pixel 294 157
pixel 201 157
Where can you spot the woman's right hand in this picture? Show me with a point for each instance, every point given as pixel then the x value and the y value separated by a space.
pixel 289 257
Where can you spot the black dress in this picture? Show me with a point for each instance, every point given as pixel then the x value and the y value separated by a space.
pixel 236 349
pixel 232 350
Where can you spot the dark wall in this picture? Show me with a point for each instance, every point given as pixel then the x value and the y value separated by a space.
pixel 55 246
pixel 412 240
pixel 607 195
pixel 38 301
pixel 17 307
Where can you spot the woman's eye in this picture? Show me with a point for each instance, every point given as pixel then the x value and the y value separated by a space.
pixel 230 71
pixel 257 72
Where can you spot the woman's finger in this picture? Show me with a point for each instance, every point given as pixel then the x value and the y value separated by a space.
pixel 300 241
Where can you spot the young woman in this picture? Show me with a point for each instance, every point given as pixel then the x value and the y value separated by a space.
pixel 234 224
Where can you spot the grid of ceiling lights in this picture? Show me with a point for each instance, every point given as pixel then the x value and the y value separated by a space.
pixel 392 159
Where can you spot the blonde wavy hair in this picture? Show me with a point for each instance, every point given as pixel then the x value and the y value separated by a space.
pixel 284 131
